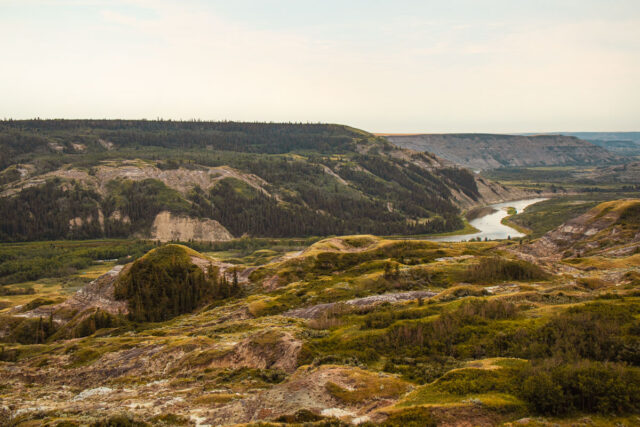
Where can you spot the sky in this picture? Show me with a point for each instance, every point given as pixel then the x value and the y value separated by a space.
pixel 384 66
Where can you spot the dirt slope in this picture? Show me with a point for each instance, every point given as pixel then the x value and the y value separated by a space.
pixel 611 228
pixel 487 151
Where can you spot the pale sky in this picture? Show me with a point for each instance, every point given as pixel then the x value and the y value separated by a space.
pixel 383 66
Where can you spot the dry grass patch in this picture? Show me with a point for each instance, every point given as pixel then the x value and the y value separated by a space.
pixel 358 386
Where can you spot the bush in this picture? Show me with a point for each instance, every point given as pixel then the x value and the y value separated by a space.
pixel 301 416
pixel 585 386
pixel 593 331
pixel 421 370
pixel 37 302
pixel 441 335
pixel 170 420
pixel 497 269
pixel 476 381
pixel 32 331
pixel 119 421
pixel 542 394
pixel 96 320
pixel 412 417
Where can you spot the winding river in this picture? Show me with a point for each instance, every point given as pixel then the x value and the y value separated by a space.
pixel 490 225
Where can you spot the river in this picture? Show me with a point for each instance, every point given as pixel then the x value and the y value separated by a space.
pixel 490 225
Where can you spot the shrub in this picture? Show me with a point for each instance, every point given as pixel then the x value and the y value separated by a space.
pixel 412 417
pixel 496 269
pixel 37 302
pixel 585 386
pixel 170 420
pixel 119 421
pixel 269 376
pixel 476 381
pixel 301 416
pixel 441 335
pixel 593 331
pixel 33 331
pixel 421 370
pixel 97 320
pixel 542 394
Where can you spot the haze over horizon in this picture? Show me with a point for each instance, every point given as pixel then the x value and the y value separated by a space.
pixel 386 67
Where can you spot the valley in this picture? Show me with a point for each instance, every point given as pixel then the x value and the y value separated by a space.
pixel 319 214
pixel 206 274
pixel 346 330
pixel 218 180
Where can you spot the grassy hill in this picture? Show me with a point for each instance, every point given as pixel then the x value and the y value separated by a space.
pixel 348 330
pixel 83 179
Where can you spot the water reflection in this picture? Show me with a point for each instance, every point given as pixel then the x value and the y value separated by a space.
pixel 490 225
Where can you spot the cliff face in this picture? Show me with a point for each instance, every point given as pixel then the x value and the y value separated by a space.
pixel 170 227
pixel 488 151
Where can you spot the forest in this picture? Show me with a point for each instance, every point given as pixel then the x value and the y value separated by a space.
pixel 368 190
pixel 165 283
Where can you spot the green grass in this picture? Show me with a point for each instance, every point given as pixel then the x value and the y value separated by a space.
pixel 367 387
pixel 467 229
pixel 507 220
pixel 460 351
pixel 566 178
pixel 23 262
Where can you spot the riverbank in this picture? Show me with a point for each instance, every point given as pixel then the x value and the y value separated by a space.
pixel 491 225
pixel 509 223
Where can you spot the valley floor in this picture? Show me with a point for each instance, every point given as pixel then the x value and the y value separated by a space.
pixel 346 330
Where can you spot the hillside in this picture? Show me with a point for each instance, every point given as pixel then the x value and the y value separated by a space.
pixel 352 330
pixel 212 181
pixel 490 151
pixel 621 143
pixel 608 229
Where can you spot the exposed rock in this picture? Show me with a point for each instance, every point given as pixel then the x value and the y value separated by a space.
pixel 271 283
pixel 487 151
pixel 596 231
pixel 92 392
pixel 266 350
pixel 181 179
pixel 58 148
pixel 97 294
pixel 493 192
pixel 79 148
pixel 117 216
pixel 106 144
pixel 100 294
pixel 329 171
pixel 307 389
pixel 76 222
pixel 170 227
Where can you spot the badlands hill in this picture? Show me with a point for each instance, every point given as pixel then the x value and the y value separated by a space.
pixel 490 151
pixel 352 330
pixel 211 181
pixel 621 143
pixel 611 229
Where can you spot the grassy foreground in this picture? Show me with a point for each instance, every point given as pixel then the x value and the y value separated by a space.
pixel 316 335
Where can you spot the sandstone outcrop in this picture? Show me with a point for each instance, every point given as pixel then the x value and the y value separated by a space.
pixel 171 227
